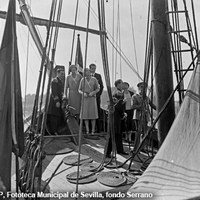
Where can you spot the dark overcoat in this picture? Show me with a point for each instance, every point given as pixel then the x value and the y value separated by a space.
pixel 57 89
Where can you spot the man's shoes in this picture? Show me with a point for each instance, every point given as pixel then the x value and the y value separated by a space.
pixel 124 153
pixel 108 156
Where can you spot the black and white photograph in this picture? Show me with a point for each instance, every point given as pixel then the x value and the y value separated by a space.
pixel 99 99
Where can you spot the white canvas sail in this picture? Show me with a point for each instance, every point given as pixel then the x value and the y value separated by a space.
pixel 174 173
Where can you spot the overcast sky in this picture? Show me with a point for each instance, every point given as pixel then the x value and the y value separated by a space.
pixel 41 8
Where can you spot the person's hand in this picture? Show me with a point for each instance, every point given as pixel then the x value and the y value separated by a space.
pixel 119 93
pixel 91 94
pixel 125 116
pixel 124 101
pixel 64 103
pixel 115 100
pixel 85 95
pixel 57 104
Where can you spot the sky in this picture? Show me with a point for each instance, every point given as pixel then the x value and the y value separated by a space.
pixel 41 9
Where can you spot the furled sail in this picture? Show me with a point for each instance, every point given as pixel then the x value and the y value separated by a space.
pixel 174 173
pixel 11 116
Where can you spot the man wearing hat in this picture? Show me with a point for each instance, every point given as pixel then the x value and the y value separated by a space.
pixel 141 110
pixel 54 114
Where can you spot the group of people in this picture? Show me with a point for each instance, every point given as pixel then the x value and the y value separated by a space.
pixel 131 113
pixel 82 92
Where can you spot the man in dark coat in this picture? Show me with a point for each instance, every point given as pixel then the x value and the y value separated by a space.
pixel 98 96
pixel 54 117
pixel 119 114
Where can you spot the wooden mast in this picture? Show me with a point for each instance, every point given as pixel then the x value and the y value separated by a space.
pixel 162 66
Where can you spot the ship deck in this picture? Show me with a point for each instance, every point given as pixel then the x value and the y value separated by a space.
pixel 92 148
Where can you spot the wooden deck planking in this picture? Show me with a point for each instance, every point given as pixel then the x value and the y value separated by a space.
pixel 94 149
pixel 59 183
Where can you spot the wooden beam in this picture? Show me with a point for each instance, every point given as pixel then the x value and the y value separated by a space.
pixel 44 22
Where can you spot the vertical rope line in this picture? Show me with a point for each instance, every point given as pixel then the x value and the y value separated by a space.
pixel 178 43
pixel 195 28
pixel 35 111
pixel 189 28
pixel 132 28
pixel 53 54
pixel 74 31
pixel 82 103
pixel 147 37
pixel 48 88
pixel 27 60
pixel 119 29
pixel 113 33
pixel 86 42
pixel 52 30
pixel 173 44
pixel 106 68
pixel 117 34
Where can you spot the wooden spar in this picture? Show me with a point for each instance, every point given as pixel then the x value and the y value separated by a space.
pixel 162 66
pixel 44 22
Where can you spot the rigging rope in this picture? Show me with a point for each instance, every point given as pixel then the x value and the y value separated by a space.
pixel 105 62
pixel 119 32
pixel 116 39
pixel 177 38
pixel 147 43
pixel 147 65
pixel 27 59
pixel 104 45
pixel 53 55
pixel 73 38
pixel 126 60
pixel 116 47
pixel 113 33
pixel 176 24
pixel 82 103
pixel 57 27
pixel 43 124
pixel 190 34
pixel 174 43
pixel 87 33
pixel 51 31
pixel 195 27
pixel 35 138
pixel 134 45
pixel 35 108
pixel 102 28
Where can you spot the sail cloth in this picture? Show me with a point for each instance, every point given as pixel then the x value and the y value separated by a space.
pixel 11 117
pixel 79 57
pixel 174 173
